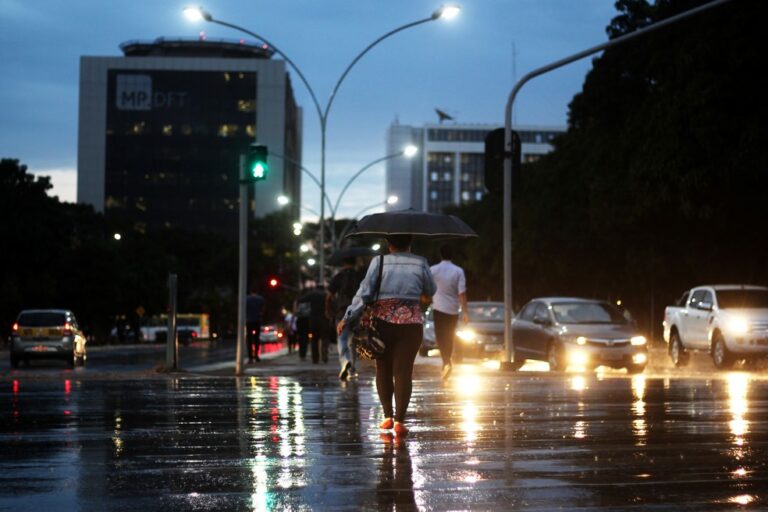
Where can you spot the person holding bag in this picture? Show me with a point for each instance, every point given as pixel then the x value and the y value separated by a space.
pixel 404 279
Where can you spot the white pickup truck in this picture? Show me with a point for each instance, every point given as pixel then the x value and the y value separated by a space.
pixel 730 322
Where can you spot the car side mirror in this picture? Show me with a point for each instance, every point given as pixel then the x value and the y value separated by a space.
pixel 541 320
pixel 705 306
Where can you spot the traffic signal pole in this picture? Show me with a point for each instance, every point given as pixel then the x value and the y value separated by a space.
pixel 508 364
pixel 242 267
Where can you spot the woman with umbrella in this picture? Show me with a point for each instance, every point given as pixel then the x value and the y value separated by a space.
pixel 404 280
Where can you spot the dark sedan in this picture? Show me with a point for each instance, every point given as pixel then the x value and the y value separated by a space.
pixel 583 333
pixel 482 337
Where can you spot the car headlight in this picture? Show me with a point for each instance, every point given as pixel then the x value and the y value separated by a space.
pixel 465 334
pixel 578 358
pixel 581 340
pixel 737 325
pixel 638 340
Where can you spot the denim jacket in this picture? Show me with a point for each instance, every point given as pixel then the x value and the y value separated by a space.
pixel 405 276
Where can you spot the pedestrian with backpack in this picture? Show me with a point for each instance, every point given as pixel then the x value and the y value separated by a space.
pixel 340 293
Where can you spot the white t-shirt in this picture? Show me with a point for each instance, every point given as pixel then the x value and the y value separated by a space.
pixel 450 282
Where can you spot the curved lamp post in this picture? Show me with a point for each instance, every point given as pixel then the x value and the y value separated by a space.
pixel 446 12
pixel 390 200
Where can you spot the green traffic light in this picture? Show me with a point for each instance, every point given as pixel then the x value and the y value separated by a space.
pixel 259 171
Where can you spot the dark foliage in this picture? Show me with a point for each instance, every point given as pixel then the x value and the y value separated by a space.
pixel 657 186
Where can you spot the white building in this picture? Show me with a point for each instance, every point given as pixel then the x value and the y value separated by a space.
pixel 449 168
pixel 162 128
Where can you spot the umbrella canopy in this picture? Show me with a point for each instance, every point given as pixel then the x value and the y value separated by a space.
pixel 412 222
pixel 339 255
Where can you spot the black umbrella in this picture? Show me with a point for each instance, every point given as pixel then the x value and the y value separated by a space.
pixel 339 255
pixel 412 222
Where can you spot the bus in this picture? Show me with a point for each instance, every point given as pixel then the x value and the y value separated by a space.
pixel 189 326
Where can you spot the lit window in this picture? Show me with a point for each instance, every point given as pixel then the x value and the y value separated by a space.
pixel 168 129
pixel 433 176
pixel 227 78
pixel 465 195
pixel 433 194
pixel 447 176
pixel 138 128
pixel 227 130
pixel 246 105
pixel 250 130
pixel 478 195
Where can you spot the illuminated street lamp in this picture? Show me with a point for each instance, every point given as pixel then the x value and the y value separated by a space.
pixel 283 200
pixel 446 12
pixel 117 236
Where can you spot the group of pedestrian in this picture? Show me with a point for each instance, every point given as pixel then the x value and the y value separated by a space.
pixel 406 283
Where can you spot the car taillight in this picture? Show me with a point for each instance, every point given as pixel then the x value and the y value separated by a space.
pixel 194 334
pixel 67 329
pixel 15 327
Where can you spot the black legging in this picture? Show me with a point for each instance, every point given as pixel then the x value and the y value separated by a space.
pixel 445 331
pixel 394 370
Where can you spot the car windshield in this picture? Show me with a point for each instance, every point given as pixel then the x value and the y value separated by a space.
pixel 742 298
pixel 486 313
pixel 587 313
pixel 42 319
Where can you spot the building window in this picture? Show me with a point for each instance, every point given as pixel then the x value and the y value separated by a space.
pixel 433 194
pixel 246 105
pixel 227 130
pixel 433 176
pixel 167 129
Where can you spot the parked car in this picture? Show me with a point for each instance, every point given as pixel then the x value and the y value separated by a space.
pixel 49 334
pixel 730 322
pixel 271 333
pixel 565 331
pixel 482 337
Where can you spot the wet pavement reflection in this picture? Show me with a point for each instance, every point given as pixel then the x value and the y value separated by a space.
pixel 302 441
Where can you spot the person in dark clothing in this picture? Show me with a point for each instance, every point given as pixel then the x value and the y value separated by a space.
pixel 310 310
pixel 341 290
pixel 254 309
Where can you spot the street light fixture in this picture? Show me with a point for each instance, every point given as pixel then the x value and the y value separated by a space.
pixel 283 200
pixel 445 12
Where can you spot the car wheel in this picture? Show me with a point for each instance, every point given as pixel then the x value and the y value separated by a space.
pixel 14 361
pixel 677 352
pixel 721 356
pixel 555 358
pixel 634 369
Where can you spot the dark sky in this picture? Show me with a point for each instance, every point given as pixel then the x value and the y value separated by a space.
pixel 466 67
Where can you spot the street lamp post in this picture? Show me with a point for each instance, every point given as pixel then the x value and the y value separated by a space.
pixel 508 341
pixel 444 12
pixel 390 200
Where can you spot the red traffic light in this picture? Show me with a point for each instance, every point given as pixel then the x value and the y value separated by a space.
pixel 273 282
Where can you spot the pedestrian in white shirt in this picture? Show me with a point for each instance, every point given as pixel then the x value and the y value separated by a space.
pixel 450 299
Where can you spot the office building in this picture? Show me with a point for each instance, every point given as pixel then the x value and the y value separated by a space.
pixel 449 168
pixel 162 128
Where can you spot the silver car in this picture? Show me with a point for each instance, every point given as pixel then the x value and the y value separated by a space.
pixel 573 332
pixel 482 337
pixel 49 334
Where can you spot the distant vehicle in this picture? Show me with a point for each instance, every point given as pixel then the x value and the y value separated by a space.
pixel 47 334
pixel 189 326
pixel 730 322
pixel 565 331
pixel 482 337
pixel 271 333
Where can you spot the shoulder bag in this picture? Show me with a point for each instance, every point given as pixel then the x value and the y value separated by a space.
pixel 368 342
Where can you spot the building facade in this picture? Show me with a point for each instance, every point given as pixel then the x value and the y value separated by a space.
pixel 162 128
pixel 449 168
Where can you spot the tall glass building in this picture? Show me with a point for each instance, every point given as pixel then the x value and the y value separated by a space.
pixel 449 168
pixel 162 128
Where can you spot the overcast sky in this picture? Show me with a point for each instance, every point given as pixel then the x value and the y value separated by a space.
pixel 465 67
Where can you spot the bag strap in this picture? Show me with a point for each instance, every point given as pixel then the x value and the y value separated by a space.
pixel 378 278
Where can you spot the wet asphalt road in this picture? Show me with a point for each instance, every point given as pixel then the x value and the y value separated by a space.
pixel 288 436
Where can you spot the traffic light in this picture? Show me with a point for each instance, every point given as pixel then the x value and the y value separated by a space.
pixel 494 158
pixel 256 167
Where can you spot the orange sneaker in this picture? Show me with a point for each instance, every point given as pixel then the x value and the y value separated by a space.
pixel 386 424
pixel 400 429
